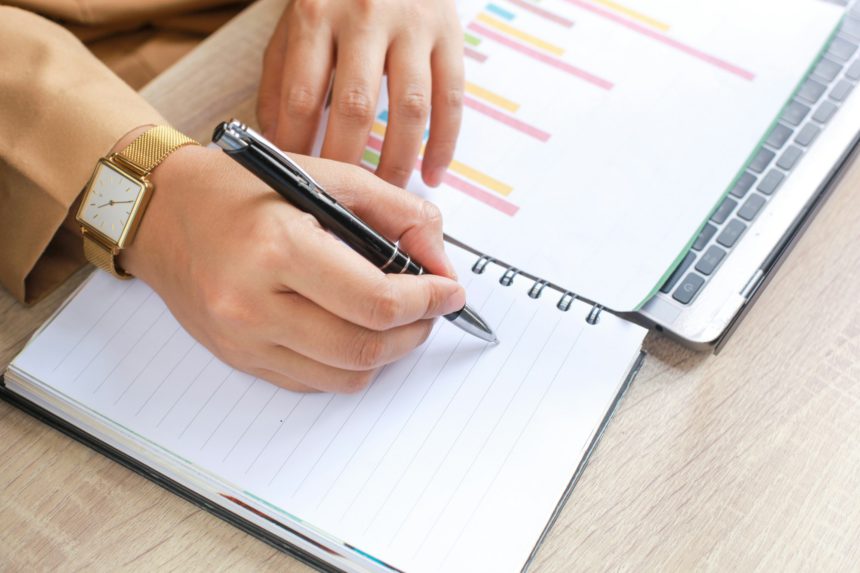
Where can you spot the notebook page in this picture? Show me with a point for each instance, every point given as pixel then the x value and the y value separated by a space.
pixel 453 459
pixel 598 136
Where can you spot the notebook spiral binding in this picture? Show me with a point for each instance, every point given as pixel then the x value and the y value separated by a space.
pixel 510 273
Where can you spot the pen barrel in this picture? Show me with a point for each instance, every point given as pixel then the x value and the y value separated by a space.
pixel 333 216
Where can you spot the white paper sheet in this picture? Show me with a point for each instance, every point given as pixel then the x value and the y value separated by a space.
pixel 453 459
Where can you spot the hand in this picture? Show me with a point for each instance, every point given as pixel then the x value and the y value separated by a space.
pixel 268 291
pixel 419 44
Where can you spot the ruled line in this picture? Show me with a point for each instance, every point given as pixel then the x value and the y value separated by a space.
pixel 184 392
pixel 501 467
pixel 230 413
pixel 511 400
pixel 166 378
pixel 277 429
pixel 304 437
pixel 95 323
pixel 206 403
pixel 167 339
pixel 251 421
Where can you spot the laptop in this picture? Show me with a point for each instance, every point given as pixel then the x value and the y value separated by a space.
pixel 751 232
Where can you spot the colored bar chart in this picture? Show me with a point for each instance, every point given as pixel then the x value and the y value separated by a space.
pixel 532 28
pixel 654 30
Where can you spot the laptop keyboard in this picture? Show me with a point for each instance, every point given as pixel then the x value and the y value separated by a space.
pixel 814 105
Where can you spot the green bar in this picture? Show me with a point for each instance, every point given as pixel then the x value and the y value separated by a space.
pixel 371 157
pixel 472 40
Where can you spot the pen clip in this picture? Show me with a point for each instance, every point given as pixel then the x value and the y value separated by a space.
pixel 240 135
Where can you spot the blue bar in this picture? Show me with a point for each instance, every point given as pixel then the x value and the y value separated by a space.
pixel 501 12
pixel 383 116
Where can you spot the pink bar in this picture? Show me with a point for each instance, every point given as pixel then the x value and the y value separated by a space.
pixel 540 56
pixel 474 54
pixel 476 192
pixel 462 185
pixel 506 119
pixel 645 31
pixel 542 13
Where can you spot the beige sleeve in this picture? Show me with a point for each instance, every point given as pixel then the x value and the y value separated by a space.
pixel 60 110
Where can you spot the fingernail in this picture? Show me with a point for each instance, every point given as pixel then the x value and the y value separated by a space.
pixel 454 302
pixel 437 175
pixel 449 268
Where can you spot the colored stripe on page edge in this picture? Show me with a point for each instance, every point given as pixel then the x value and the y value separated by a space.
pixel 500 12
pixel 505 119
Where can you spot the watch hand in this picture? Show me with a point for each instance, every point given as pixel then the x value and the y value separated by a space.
pixel 112 203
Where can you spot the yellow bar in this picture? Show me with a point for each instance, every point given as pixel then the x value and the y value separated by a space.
pixel 511 31
pixel 378 129
pixel 633 14
pixel 480 178
pixel 492 97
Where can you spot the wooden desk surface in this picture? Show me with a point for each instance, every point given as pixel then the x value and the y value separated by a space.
pixel 749 460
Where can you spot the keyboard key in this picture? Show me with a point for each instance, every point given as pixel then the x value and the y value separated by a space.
pixel 710 260
pixel 678 272
pixel 751 208
pixel 771 182
pixel 853 72
pixel 826 110
pixel 743 184
pixel 850 29
pixel 841 49
pixel 779 136
pixel 811 91
pixel 724 210
pixel 731 233
pixel 704 237
pixel 761 160
pixel 789 158
pixel 795 112
pixel 827 70
pixel 807 135
pixel 688 289
pixel 841 90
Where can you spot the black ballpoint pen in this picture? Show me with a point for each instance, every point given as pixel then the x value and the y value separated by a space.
pixel 274 167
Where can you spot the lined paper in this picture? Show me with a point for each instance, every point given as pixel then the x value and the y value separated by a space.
pixel 452 459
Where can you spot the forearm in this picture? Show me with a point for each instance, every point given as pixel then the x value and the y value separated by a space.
pixel 61 110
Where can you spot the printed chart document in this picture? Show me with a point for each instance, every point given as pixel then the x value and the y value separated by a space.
pixel 599 135
pixel 454 459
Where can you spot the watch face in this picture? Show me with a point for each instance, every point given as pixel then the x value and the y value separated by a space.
pixel 110 202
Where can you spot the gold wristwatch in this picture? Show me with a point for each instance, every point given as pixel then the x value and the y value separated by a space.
pixel 118 192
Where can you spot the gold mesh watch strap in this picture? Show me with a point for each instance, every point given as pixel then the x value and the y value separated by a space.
pixel 142 156
pixel 152 147
pixel 102 256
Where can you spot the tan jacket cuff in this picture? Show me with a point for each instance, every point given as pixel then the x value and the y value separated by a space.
pixel 62 110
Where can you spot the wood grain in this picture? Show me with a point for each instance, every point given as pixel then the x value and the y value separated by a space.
pixel 746 461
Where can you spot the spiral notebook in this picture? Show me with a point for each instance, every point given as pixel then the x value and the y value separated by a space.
pixel 456 458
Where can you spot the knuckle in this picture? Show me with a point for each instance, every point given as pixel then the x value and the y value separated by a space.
pixel 398 173
pixel 453 98
pixel 414 104
pixel 367 7
pixel 356 104
pixel 301 101
pixel 355 382
pixel 369 352
pixel 385 308
pixel 431 215
pixel 229 308
pixel 311 11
